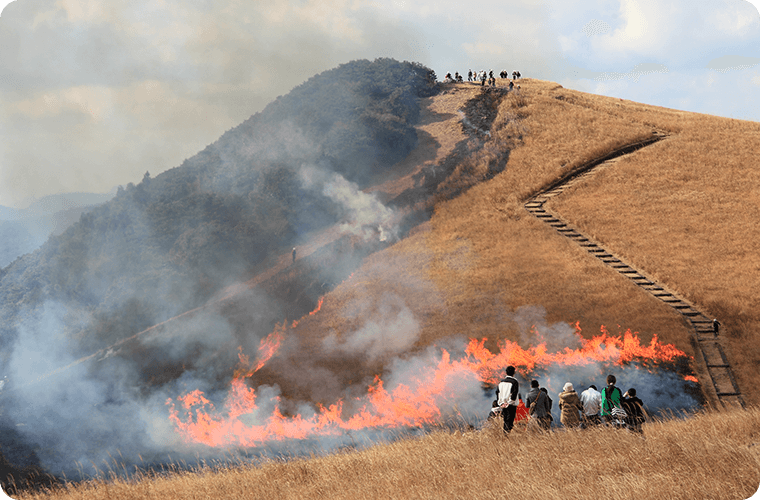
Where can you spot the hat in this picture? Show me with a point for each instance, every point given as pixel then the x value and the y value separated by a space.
pixel 567 387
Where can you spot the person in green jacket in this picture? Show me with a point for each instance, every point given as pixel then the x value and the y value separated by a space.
pixel 612 399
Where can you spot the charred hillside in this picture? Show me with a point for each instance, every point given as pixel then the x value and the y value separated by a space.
pixel 169 243
pixel 158 289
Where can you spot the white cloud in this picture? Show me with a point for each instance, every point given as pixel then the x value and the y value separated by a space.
pixel 92 101
pixel 596 27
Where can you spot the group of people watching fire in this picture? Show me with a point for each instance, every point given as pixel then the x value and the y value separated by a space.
pixel 609 407
pixel 482 77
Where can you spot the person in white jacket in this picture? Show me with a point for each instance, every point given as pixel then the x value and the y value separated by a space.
pixel 506 398
pixel 591 399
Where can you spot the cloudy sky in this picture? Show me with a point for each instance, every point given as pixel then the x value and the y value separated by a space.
pixel 94 93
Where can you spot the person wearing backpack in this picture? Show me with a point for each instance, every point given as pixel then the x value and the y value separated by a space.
pixel 539 407
pixel 507 396
pixel 612 403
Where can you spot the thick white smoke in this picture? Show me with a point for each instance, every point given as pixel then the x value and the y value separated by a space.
pixel 365 215
pixel 389 328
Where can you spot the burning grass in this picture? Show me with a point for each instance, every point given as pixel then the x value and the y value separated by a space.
pixel 713 454
pixel 482 268
pixel 683 210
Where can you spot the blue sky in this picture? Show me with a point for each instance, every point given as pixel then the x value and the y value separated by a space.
pixel 93 93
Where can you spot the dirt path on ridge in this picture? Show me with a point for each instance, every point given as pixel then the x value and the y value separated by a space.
pixel 438 132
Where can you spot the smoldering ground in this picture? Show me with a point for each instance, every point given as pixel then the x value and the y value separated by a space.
pixel 91 415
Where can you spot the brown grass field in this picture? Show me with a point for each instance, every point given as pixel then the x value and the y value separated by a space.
pixel 684 210
pixel 713 455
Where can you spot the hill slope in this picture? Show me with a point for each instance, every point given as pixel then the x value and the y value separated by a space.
pixel 472 263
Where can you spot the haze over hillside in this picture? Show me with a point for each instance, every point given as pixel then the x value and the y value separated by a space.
pixel 407 216
pixel 24 230
pixel 169 243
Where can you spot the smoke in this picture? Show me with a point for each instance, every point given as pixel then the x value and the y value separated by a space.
pixel 533 329
pixel 84 417
pixel 80 416
pixel 363 213
pixel 390 328
pixel 662 389
pixel 73 420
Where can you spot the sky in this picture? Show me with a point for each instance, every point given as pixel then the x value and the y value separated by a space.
pixel 94 93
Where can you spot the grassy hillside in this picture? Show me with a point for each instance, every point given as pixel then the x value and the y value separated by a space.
pixel 474 264
pixel 482 257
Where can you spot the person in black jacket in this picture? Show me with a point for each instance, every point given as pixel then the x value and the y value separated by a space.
pixel 541 412
pixel 506 396
pixel 634 408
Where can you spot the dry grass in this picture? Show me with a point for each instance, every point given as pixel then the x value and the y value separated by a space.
pixel 711 455
pixel 689 206
pixel 684 210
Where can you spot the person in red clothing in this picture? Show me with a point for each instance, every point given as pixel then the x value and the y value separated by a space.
pixel 521 413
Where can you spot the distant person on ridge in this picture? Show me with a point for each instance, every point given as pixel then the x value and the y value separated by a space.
pixel 294 255
pixel 506 396
pixel 539 407
pixel 591 399
pixel 469 76
pixel 569 405
pixel 612 401
pixel 716 326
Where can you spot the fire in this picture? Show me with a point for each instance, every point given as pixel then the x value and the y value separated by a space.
pixel 267 348
pixel 423 399
pixel 603 348
pixel 312 313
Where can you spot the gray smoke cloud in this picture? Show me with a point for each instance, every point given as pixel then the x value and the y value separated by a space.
pixel 365 215
pixel 84 417
pixel 389 327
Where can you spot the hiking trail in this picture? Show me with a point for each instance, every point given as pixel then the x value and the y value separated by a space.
pixel 707 342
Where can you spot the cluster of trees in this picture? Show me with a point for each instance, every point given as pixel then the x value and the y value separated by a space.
pixel 168 243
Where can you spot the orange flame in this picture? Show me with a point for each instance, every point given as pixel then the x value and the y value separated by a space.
pixel 419 401
pixel 312 313
pixel 267 348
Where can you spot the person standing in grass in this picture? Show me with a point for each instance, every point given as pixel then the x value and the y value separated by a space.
pixel 634 408
pixel 543 389
pixel 506 396
pixel 539 406
pixel 591 399
pixel 612 400
pixel 569 405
